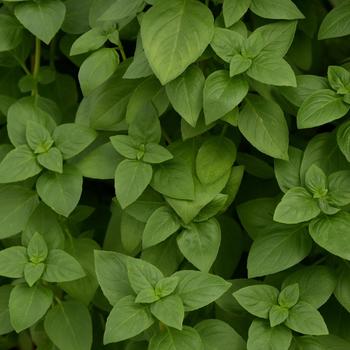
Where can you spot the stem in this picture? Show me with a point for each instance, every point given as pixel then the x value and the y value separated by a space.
pixel 36 66
pixel 121 50
pixel 52 53
pixel 224 129
pixel 166 136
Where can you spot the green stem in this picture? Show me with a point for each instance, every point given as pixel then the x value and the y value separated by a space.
pixel 52 53
pixel 166 137
pixel 121 50
pixel 36 66
pixel 224 129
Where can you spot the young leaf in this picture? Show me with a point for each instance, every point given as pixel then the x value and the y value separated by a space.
pixel 305 319
pixel 277 315
pixel 33 272
pixel 51 160
pixel 166 286
pixel 126 320
pixel 169 310
pixel 262 337
pixel 186 94
pixel 89 41
pixel 258 299
pixel 27 305
pixel 198 289
pixel 263 124
pixel 289 296
pixel 126 146
pixel 131 179
pixel 222 94
pixel 66 323
pixel 296 206
pixel 316 181
pixel 173 339
pixel 42 18
pixel 37 248
pixel 339 79
pixel 200 243
pixel 38 137
pixel 12 261
pixel 156 154
pixel 62 267
pixel 61 192
pixel 161 224
pixel 167 31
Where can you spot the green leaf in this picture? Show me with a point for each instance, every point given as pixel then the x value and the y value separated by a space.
pixel 146 296
pixel 99 163
pixel 198 289
pixel 89 41
pixel 289 296
pixel 331 233
pixel 61 192
pixel 226 43
pixel 338 188
pixel 121 9
pixel 131 179
pixel 343 139
pixel 23 111
pixel 262 337
pixel 216 334
pixel 72 138
pixel 216 206
pixel 269 69
pixel 336 23
pixel 306 86
pixel 156 154
pixel 16 206
pixel 126 146
pixel 341 291
pixel 305 319
pixel 166 286
pixel 239 64
pixel 215 157
pixel 222 94
pixel 258 299
pixel 234 10
pixel 97 68
pixel 339 79
pixel 5 324
pixel 66 323
pixel 37 248
pixel 320 108
pixel 316 181
pixel 263 124
pixel 28 305
pixel 310 290
pixel 277 315
pixel 62 267
pixel 186 94
pixel 126 320
pixel 112 275
pixel 33 272
pixel 38 137
pixel 18 165
pixel 42 18
pixel 200 243
pixel 287 172
pixel 142 274
pixel 173 339
pixel 51 160
pixel 11 33
pixel 296 206
pixel 267 254
pixel 169 310
pixel 12 261
pixel 276 9
pixel 161 224
pixel 168 30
